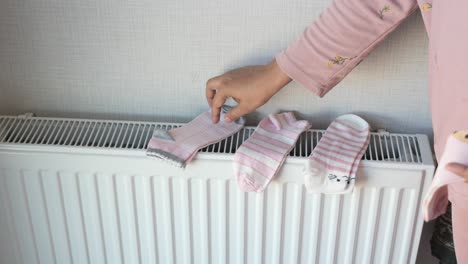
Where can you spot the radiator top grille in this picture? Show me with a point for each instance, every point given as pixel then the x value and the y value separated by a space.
pixel 135 135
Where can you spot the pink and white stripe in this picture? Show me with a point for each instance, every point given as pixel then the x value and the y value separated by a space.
pixel 335 160
pixel 259 159
pixel 180 145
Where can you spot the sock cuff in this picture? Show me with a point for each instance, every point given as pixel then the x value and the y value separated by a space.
pixel 166 156
pixel 287 119
pixel 353 122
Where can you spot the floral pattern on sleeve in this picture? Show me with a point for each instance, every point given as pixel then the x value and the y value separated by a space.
pixel 338 60
pixel 425 7
pixel 385 9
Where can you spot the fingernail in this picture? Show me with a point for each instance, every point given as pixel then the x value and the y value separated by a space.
pixel 227 119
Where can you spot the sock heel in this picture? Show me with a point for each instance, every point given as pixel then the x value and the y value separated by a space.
pixel 276 122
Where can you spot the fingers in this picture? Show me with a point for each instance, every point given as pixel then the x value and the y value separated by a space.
pixel 236 113
pixel 458 169
pixel 211 86
pixel 216 94
pixel 216 104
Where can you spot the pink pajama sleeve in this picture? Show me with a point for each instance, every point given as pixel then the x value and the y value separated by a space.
pixel 339 39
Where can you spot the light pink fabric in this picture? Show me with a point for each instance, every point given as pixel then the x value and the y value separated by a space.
pixel 259 159
pixel 435 201
pixel 349 30
pixel 344 34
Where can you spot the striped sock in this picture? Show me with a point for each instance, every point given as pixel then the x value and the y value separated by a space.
pixel 178 146
pixel 259 158
pixel 332 166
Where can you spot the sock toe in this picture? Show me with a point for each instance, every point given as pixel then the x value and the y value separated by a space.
pixel 245 184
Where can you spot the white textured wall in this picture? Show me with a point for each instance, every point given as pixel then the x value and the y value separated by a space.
pixel 149 60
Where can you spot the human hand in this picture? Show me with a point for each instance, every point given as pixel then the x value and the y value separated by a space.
pixel 251 87
pixel 458 169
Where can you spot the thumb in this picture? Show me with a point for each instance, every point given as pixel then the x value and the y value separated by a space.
pixel 235 113
pixel 458 169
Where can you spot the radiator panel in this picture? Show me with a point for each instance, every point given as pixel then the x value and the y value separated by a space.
pixel 65 216
pixel 66 204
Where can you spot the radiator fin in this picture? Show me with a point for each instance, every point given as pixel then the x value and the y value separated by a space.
pixel 135 135
pixel 122 218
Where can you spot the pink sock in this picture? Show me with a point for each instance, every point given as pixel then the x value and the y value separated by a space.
pixel 178 146
pixel 259 158
pixel 332 166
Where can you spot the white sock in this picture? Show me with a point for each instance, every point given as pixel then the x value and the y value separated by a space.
pixel 332 166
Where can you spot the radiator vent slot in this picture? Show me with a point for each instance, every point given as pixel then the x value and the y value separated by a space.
pixel 135 135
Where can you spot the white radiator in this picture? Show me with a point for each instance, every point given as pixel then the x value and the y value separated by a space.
pixel 83 191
